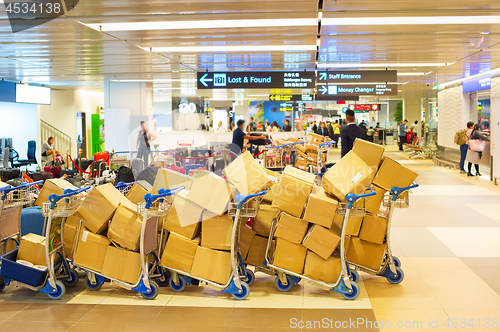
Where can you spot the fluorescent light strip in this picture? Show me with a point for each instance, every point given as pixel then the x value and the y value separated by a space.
pixel 232 48
pixel 212 24
pixel 492 72
pixel 157 81
pixel 412 74
pixel 381 65
pixel 411 20
pixel 369 83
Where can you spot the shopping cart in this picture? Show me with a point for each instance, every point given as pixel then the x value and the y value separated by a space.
pixel 10 197
pixel 124 188
pixel 57 275
pixel 391 265
pixel 348 288
pixel 153 206
pixel 244 206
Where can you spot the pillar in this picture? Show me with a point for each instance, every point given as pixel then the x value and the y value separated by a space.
pixel 138 97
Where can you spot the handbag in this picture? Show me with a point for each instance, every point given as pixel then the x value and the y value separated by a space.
pixel 477 145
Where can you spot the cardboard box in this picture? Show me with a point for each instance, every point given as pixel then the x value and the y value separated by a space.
pixel 369 152
pixel 275 177
pixel 317 268
pixel 52 186
pixel 301 160
pixel 69 239
pixel 125 227
pixel 320 208
pixel 264 219
pixel 216 232
pixel 289 256
pixel 74 220
pixel 321 240
pixel 168 179
pixel 4 185
pixel 211 192
pixel 353 224
pixel 98 207
pixel 301 154
pixel 393 174
pixel 115 268
pixel 138 191
pixel 372 203
pixel 257 251
pixel 179 252
pixel 10 220
pixel 290 228
pixel 91 250
pixel 246 236
pixel 294 140
pixel 32 249
pixel 373 229
pixel 311 148
pixel 350 175
pixel 315 138
pixel 301 148
pixel 293 192
pixel 247 175
pixel 303 167
pixel 366 254
pixel 212 265
pixel 184 216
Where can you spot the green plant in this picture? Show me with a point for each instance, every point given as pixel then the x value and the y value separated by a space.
pixel 398 115
pixel 259 116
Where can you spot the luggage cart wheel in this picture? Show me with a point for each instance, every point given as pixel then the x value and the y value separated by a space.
pixel 92 287
pixel 180 287
pixel 250 277
pixel 396 261
pixel 354 292
pixel 60 291
pixel 245 291
pixel 154 291
pixel 73 278
pixel 164 280
pixel 283 288
pixel 398 278
pixel 2 284
pixel 354 275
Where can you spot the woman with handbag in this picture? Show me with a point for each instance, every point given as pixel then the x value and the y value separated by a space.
pixel 476 141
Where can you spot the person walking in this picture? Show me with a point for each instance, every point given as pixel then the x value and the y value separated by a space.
pixel 239 137
pixel 329 126
pixel 402 134
pixel 350 133
pixel 336 133
pixel 314 127
pixel 323 131
pixel 143 143
pixel 462 139
pixel 475 151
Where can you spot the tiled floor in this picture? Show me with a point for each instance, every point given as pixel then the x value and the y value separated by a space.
pixel 448 242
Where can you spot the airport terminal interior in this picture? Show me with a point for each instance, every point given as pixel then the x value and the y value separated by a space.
pixel 221 165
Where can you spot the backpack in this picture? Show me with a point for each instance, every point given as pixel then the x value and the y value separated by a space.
pixel 125 175
pixel 461 137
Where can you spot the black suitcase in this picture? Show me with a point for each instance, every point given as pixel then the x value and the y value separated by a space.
pixel 266 141
pixel 181 152
pixel 97 168
pixel 9 174
pixel 124 175
pixel 85 164
pixel 40 176
pixel 137 166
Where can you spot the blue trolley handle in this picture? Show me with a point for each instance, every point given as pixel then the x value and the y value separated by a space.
pixel 398 191
pixel 53 199
pixel 121 185
pixel 352 198
pixel 241 199
pixel 21 186
pixel 150 198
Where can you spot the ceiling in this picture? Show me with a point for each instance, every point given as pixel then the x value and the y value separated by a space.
pixel 68 52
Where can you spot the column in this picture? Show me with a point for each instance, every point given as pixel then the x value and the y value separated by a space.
pixel 138 97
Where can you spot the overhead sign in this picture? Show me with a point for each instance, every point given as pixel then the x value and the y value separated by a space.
pixel 358 76
pixel 291 97
pixel 477 84
pixel 257 80
pixel 358 90
pixel 7 92
pixel 33 94
pixel 364 107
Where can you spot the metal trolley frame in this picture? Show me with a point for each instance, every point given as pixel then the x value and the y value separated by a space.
pixel 58 275
pixel 348 288
pixel 391 265
pixel 244 206
pixel 153 206
pixel 124 188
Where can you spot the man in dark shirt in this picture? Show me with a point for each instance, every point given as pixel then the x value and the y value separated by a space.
pixel 286 126
pixel 350 133
pixel 252 126
pixel 239 137
pixel 314 127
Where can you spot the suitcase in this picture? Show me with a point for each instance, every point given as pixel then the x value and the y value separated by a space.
pixel 177 169
pixel 9 174
pixel 32 221
pixel 68 173
pixel 85 164
pixel 181 152
pixel 97 168
pixel 200 153
pixel 266 141
pixel 102 156
pixel 41 176
pixel 137 166
pixel 55 170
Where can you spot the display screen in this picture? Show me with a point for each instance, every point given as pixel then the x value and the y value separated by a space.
pixel 7 92
pixel 32 94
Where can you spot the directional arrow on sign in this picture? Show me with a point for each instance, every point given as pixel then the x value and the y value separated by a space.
pixel 323 89
pixel 272 97
pixel 204 79
pixel 322 76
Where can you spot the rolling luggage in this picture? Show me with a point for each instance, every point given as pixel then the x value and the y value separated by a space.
pixel 102 156
pixel 148 174
pixel 137 166
pixel 55 170
pixel 8 174
pixel 266 141
pixel 97 168
pixel 41 176
pixel 177 169
pixel 32 221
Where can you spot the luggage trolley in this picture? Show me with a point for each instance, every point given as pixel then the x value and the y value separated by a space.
pixel 391 265
pixel 244 206
pixel 124 188
pixel 23 195
pixel 57 274
pixel 348 288
pixel 153 206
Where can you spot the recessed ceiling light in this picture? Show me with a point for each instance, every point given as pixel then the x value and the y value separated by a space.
pixel 412 20
pixel 381 65
pixel 232 48
pixel 411 74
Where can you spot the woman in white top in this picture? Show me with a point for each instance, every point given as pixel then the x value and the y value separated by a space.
pixel 48 148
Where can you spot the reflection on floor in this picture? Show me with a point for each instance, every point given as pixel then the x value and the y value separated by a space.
pixel 448 242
